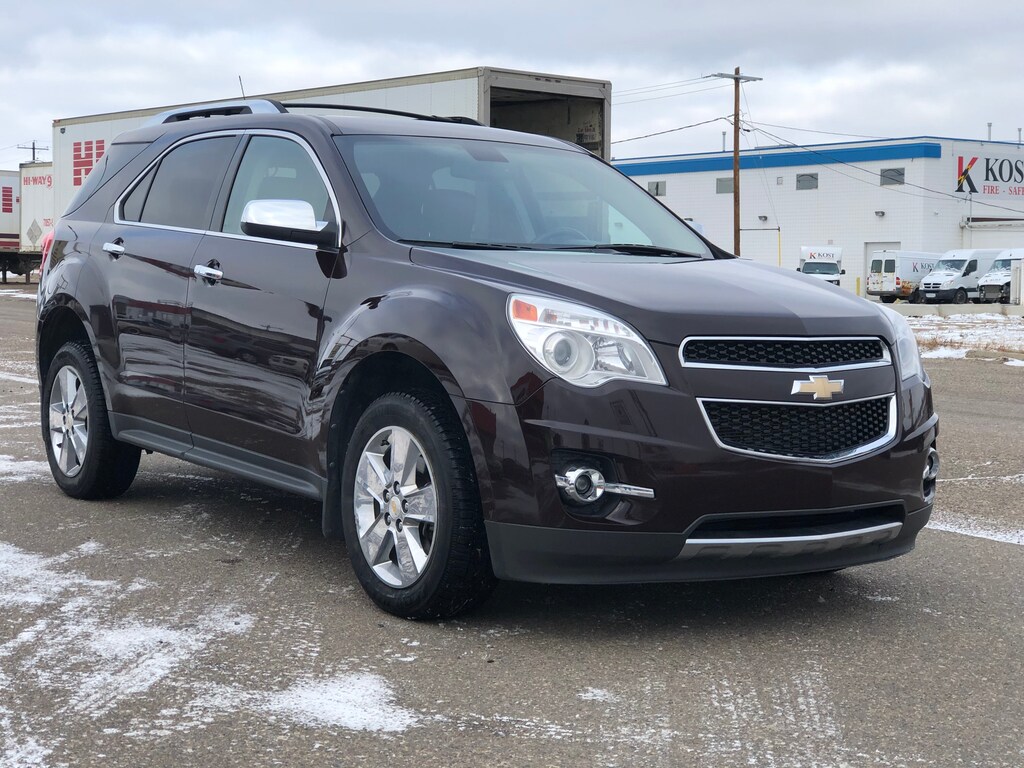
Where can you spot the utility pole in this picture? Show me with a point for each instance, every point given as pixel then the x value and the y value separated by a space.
pixel 736 78
pixel 34 149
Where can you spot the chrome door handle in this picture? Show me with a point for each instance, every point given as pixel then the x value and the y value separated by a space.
pixel 207 273
pixel 114 249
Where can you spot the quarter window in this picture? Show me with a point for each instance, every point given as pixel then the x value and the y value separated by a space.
pixel 275 168
pixel 181 191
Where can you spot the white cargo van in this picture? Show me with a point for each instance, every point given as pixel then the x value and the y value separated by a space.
pixel 954 278
pixel 897 274
pixel 994 285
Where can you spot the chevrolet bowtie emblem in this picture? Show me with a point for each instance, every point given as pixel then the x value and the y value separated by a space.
pixel 822 387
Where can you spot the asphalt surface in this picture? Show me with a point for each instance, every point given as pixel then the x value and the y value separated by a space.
pixel 202 620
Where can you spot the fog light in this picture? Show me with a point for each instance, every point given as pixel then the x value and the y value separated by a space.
pixel 930 474
pixel 581 484
pixel 931 465
pixel 584 485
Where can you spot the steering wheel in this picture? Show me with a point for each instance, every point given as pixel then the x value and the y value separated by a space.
pixel 561 234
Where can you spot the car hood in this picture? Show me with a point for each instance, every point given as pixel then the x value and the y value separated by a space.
pixel 668 299
pixel 942 276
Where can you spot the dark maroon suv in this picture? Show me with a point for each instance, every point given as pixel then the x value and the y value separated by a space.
pixel 488 353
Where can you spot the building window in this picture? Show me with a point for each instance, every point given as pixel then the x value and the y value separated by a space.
pixel 807 181
pixel 891 176
pixel 723 186
pixel 656 188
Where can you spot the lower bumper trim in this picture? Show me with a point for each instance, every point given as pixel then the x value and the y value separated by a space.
pixel 569 556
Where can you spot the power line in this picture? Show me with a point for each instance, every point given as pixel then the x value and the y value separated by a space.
pixel 670 130
pixel 671 95
pixel 661 87
pixel 830 133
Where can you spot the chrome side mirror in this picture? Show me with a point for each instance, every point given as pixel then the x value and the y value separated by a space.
pixel 289 220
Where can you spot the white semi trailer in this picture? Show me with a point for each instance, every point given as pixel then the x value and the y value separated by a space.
pixel 570 108
pixel 26 216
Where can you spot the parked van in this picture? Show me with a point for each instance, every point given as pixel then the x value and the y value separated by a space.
pixel 954 278
pixel 994 285
pixel 824 263
pixel 897 274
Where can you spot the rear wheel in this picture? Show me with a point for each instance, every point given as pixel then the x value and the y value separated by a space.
pixel 888 299
pixel 411 509
pixel 85 460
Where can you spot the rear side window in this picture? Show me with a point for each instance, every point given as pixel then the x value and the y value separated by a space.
pixel 180 191
pixel 275 168
pixel 115 158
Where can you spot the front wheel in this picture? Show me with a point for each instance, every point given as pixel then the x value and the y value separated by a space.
pixel 411 509
pixel 960 297
pixel 85 459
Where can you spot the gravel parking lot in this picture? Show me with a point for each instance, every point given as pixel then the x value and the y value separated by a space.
pixel 202 620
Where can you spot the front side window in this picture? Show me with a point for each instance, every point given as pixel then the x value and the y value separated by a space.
pixel 485 193
pixel 275 168
pixel 180 191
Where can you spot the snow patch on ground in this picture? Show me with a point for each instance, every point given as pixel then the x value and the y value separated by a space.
pixel 18 470
pixel 1015 363
pixel 597 694
pixel 988 331
pixel 360 701
pixel 74 642
pixel 17 378
pixel 942 521
pixel 14 293
pixel 944 352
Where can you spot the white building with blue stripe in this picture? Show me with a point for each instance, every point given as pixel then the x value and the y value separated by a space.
pixel 921 194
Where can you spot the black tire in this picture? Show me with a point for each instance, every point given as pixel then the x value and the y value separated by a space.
pixel 456 575
pixel 960 297
pixel 108 466
pixel 888 299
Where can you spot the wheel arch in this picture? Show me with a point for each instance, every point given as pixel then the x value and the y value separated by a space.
pixel 376 367
pixel 61 322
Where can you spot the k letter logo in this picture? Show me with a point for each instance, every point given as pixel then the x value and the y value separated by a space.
pixel 963 174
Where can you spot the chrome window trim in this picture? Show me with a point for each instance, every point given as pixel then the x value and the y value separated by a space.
pixel 884 440
pixel 119 203
pixel 885 361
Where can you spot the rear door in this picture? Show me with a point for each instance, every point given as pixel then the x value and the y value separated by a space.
pixel 251 349
pixel 146 250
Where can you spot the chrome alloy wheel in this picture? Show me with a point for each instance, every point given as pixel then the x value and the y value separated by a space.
pixel 395 506
pixel 69 421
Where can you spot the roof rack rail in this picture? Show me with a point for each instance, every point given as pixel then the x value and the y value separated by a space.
pixel 220 108
pixel 382 111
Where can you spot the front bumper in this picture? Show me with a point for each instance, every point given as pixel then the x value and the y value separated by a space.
pixel 656 437
pixel 561 556
pixel 936 296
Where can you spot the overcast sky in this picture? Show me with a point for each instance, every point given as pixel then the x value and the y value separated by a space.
pixel 883 69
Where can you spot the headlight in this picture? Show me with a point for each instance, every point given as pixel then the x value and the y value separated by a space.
pixel 581 345
pixel 948 284
pixel 906 345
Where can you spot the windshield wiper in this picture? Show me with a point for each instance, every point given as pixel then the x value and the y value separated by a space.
pixel 469 246
pixel 636 249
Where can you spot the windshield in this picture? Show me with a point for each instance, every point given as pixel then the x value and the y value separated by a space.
pixel 1001 264
pixel 494 194
pixel 952 265
pixel 821 268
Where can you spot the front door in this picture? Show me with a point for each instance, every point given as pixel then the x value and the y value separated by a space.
pixel 251 349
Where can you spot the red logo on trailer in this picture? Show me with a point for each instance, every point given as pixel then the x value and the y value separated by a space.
pixel 84 155
pixel 7 200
